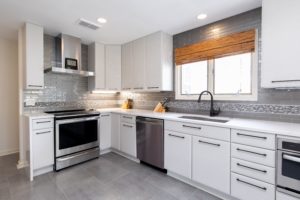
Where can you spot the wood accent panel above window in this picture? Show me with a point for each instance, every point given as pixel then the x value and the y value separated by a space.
pixel 236 43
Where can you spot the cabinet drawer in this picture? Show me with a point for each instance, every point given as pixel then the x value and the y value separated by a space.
pixel 43 148
pixel 253 154
pixel 245 188
pixel 257 139
pixel 42 123
pixel 253 170
pixel 178 153
pixel 199 130
pixel 208 156
pixel 128 119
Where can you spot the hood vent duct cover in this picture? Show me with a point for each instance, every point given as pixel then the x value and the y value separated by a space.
pixel 87 24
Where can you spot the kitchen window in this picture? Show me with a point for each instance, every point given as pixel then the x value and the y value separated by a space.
pixel 228 77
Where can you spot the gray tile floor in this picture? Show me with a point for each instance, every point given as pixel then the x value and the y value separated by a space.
pixel 109 177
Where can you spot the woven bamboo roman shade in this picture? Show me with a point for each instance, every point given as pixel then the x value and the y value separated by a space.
pixel 237 43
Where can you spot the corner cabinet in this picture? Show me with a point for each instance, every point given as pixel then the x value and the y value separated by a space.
pixel 105 61
pixel 31 55
pixel 280 44
pixel 147 63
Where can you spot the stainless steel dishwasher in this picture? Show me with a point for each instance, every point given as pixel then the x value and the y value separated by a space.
pixel 150 141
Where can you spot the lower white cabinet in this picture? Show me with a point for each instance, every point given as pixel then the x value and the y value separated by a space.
pixel 178 153
pixel 105 131
pixel 43 148
pixel 246 188
pixel 128 138
pixel 211 163
pixel 115 131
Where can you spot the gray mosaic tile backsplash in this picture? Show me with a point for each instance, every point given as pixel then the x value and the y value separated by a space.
pixel 67 92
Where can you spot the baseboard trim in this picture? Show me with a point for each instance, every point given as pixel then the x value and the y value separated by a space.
pixel 125 155
pixel 22 164
pixel 9 152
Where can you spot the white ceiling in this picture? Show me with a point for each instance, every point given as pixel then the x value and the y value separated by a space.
pixel 127 19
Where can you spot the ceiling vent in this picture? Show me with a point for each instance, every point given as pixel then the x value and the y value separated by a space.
pixel 87 24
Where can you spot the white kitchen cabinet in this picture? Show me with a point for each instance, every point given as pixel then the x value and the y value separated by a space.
pixel 280 44
pixel 147 63
pixel 113 67
pixel 115 131
pixel 138 62
pixel 31 44
pixel 127 67
pixel 105 131
pixel 128 138
pixel 159 65
pixel 178 153
pixel 43 148
pixel 211 163
pixel 96 62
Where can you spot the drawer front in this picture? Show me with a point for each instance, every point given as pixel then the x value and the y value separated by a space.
pixel 42 123
pixel 253 170
pixel 245 188
pixel 257 139
pixel 128 119
pixel 178 153
pixel 199 130
pixel 253 154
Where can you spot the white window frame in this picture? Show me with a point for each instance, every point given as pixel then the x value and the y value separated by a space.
pixel 223 97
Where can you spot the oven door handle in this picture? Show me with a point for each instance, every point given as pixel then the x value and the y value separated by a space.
pixel 291 158
pixel 76 120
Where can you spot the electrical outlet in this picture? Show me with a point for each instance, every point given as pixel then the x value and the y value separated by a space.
pixel 30 102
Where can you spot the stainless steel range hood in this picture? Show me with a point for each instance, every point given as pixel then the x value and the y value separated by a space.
pixel 68 47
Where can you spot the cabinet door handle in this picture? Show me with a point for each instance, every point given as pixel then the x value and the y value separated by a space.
pixel 138 88
pixel 36 86
pixel 152 87
pixel 177 136
pixel 125 125
pixel 127 117
pixel 210 143
pixel 240 165
pixel 126 88
pixel 253 136
pixel 112 88
pixel 282 81
pixel 262 188
pixel 39 133
pixel 261 154
pixel 195 127
pixel 43 122
pixel 105 115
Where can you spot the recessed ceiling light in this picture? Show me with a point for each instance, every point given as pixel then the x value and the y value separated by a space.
pixel 202 16
pixel 102 20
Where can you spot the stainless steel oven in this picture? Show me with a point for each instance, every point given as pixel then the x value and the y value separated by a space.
pixel 288 166
pixel 76 137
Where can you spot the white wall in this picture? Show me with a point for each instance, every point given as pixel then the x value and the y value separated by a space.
pixel 9 136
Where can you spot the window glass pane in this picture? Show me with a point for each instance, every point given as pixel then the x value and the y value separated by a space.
pixel 233 74
pixel 194 78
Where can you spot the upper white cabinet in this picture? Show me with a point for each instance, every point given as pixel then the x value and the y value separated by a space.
pixel 147 63
pixel 113 67
pixel 280 43
pixel 31 44
pixel 105 61
pixel 96 62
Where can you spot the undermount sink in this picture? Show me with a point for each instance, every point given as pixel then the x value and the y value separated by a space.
pixel 204 119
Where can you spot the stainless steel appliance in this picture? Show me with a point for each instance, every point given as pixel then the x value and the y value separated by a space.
pixel 288 166
pixel 150 141
pixel 76 137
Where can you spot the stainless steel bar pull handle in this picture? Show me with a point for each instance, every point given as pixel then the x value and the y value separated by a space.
pixel 138 88
pixel 152 87
pixel 104 115
pixel 39 133
pixel 261 154
pixel 253 136
pixel 214 144
pixel 240 165
pixel 35 85
pixel 195 127
pixel 43 122
pixel 177 136
pixel 125 125
pixel 282 81
pixel 291 158
pixel 127 117
pixel 262 188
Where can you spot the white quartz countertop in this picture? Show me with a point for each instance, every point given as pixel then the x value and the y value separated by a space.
pixel 37 115
pixel 279 128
